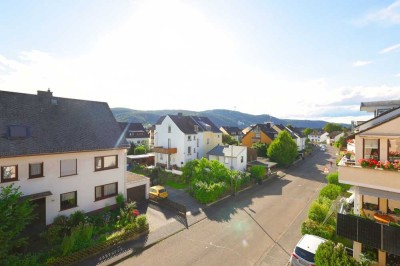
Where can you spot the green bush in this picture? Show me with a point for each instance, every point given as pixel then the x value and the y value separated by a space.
pixel 140 150
pixel 318 212
pixel 314 228
pixel 330 254
pixel 331 191
pixel 81 237
pixel 132 227
pixel 141 221
pixel 119 199
pixel 333 178
pixel 257 172
pixel 54 234
pixel 206 193
pixel 76 218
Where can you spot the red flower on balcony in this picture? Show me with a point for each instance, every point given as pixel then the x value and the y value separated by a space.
pixel 371 163
pixel 136 213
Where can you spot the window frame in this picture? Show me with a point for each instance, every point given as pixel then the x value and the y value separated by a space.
pixel 189 150
pixel 388 151
pixel 378 149
pixel 38 175
pixel 76 167
pixel 102 192
pixel 102 163
pixel 9 179
pixel 69 207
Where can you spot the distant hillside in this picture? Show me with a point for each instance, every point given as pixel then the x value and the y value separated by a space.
pixel 219 116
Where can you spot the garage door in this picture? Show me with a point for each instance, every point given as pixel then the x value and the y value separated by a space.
pixel 137 194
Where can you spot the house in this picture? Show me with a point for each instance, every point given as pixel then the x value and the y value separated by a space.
pixel 296 135
pixel 179 139
pixel 233 157
pixel 324 137
pixel 135 133
pixel 376 191
pixel 379 107
pixel 264 133
pixel 315 136
pixel 334 136
pixel 64 154
pixel 234 132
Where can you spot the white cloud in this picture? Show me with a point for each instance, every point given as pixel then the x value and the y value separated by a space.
pixel 361 63
pixel 390 49
pixel 397 75
pixel 387 16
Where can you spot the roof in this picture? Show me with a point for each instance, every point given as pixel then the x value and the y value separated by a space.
pixel 232 130
pixel 267 129
pixel 56 125
pixel 187 123
pixel 264 163
pixel 370 106
pixel 132 177
pixel 133 130
pixel 227 151
pixel 333 134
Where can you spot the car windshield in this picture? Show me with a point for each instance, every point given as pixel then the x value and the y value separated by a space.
pixel 304 254
pixel 162 190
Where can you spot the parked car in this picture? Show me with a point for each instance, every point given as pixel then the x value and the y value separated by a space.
pixel 304 252
pixel 158 192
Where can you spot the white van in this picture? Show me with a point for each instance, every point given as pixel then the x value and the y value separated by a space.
pixel 304 252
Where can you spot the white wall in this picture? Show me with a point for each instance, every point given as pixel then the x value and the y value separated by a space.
pixel 84 182
pixel 229 161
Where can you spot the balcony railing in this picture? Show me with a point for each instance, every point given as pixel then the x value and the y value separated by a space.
pixel 369 232
pixel 165 150
pixel 386 180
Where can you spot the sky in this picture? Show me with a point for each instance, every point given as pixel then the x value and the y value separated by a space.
pixel 298 59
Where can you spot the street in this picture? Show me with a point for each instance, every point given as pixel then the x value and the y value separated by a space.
pixel 259 226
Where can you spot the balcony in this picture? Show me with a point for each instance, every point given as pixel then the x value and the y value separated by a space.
pixel 165 150
pixel 386 180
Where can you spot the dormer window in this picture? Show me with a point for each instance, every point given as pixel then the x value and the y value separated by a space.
pixel 18 132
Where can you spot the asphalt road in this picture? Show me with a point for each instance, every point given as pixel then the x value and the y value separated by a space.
pixel 258 227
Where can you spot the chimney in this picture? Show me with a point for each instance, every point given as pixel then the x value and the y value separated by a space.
pixel 47 93
pixel 180 114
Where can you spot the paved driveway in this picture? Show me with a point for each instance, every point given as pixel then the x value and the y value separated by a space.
pixel 157 216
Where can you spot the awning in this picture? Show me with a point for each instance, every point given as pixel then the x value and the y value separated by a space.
pixel 37 195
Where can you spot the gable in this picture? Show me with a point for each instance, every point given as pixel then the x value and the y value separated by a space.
pixel 389 128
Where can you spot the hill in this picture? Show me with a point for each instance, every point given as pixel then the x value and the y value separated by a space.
pixel 220 117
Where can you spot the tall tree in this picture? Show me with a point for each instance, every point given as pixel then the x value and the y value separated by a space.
pixel 307 131
pixel 261 149
pixel 228 139
pixel 15 215
pixel 330 127
pixel 283 149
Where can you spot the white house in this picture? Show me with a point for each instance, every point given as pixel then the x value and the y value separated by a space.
pixel 135 133
pixel 64 154
pixel 296 135
pixel 315 136
pixel 324 137
pixel 179 139
pixel 233 157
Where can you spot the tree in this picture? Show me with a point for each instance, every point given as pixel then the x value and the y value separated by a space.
pixel 15 215
pixel 330 127
pixel 228 139
pixel 341 142
pixel 307 131
pixel 140 150
pixel 261 149
pixel 132 147
pixel 330 254
pixel 257 172
pixel 283 149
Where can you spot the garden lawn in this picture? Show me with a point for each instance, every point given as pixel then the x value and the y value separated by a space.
pixel 175 185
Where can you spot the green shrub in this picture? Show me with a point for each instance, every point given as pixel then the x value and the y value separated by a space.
pixel 314 228
pixel 132 227
pixel 206 193
pixel 330 254
pixel 140 150
pixel 81 237
pixel 141 221
pixel 333 178
pixel 317 212
pixel 54 234
pixel 76 218
pixel 257 172
pixel 331 191
pixel 119 199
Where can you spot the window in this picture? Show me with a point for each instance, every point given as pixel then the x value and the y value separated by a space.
pixel 169 129
pixel 105 162
pixel 161 156
pixel 226 160
pixel 194 137
pixel 196 128
pixel 9 173
pixel 68 167
pixel 208 141
pixel 189 150
pixel 257 135
pixel 370 203
pixel 68 200
pixel 194 150
pixel 371 149
pixel 35 170
pixel 189 138
pixel 393 149
pixel 241 159
pixel 106 191
pixel 18 132
pixel 138 142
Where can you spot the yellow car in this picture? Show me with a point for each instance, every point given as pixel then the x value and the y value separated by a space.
pixel 158 192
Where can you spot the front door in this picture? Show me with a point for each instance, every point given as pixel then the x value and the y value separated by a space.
pixel 38 224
